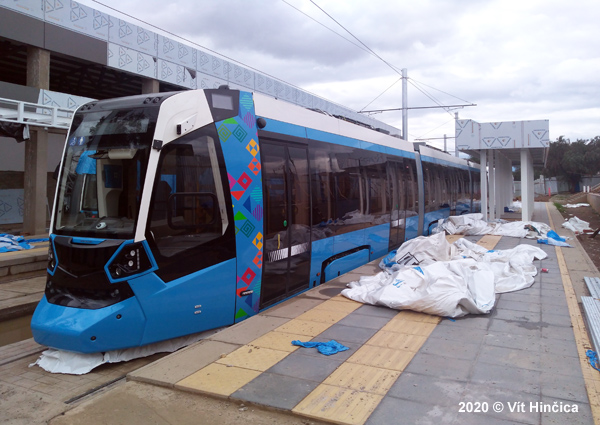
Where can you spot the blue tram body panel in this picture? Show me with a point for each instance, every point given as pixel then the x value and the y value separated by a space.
pixel 88 331
pixel 346 264
pixel 166 305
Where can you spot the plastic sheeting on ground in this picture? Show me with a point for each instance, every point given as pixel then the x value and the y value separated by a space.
pixel 474 225
pixel 327 348
pixel 430 275
pixel 10 243
pixel 576 205
pixel 68 362
pixel 576 225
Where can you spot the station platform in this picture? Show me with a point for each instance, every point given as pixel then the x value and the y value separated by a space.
pixel 523 363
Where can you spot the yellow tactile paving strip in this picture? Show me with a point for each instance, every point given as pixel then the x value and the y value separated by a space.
pixel 352 392
pixel 236 369
pixel 590 375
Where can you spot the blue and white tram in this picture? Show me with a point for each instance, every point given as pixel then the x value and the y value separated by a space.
pixel 181 212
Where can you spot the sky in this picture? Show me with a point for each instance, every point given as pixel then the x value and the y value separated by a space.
pixel 516 60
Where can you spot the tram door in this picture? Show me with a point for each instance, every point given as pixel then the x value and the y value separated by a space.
pixel 286 186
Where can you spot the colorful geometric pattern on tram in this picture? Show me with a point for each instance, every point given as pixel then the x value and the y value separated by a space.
pixel 239 141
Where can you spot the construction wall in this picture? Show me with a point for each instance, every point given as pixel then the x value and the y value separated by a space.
pixel 12 176
pixel 594 200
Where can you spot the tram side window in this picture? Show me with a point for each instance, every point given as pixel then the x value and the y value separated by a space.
pixel 322 191
pixel 427 187
pixel 377 199
pixel 411 186
pixel 188 207
pixel 349 189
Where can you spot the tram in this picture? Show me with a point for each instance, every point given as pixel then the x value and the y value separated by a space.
pixel 181 212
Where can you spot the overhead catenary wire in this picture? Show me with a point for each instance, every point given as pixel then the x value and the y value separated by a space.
pixel 326 27
pixel 364 48
pixel 394 68
pixel 381 94
pixel 446 93
pixel 356 38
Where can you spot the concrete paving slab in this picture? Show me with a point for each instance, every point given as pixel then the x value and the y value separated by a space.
pixel 363 378
pixel 561 365
pixel 564 387
pixel 409 327
pixel 557 346
pixel 397 341
pixel 483 393
pixel 307 367
pixel 373 310
pixel 441 367
pixel 323 316
pixel 530 307
pixel 26 286
pixel 459 333
pixel 413 412
pixel 304 327
pixel 218 379
pixel 183 363
pixel 514 341
pixel 481 321
pixel 511 357
pixel 340 332
pixel 563 333
pixel 337 404
pixel 507 377
pixel 555 306
pixel 336 304
pixel 555 319
pixel 524 316
pixel 428 389
pixel 273 390
pixel 246 331
pixel 583 415
pixel 451 349
pixel 516 326
pixel 363 321
pixel 380 357
pixel 281 341
pixel 292 308
pixel 253 358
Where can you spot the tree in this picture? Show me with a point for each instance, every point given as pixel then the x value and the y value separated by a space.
pixel 570 161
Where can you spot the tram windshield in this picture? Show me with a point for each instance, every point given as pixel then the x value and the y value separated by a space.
pixel 103 171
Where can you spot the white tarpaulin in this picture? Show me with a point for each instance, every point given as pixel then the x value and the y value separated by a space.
pixel 576 225
pixel 430 275
pixel 68 362
pixel 474 225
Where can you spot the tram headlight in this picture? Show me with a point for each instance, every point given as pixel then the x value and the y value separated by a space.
pixel 130 261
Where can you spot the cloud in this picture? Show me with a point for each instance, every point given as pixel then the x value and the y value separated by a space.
pixel 517 60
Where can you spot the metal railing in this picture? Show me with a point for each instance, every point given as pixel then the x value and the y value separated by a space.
pixel 35 114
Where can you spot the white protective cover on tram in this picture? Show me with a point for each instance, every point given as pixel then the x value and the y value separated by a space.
pixel 68 362
pixel 430 275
